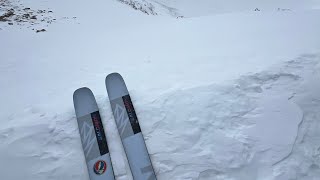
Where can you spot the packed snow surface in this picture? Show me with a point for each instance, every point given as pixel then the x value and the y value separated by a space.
pixel 222 91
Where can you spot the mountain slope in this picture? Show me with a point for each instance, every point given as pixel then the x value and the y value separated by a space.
pixel 225 96
pixel 191 8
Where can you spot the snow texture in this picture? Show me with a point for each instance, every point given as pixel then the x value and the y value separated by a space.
pixel 225 93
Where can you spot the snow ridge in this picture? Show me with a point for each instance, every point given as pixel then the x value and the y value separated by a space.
pixel 152 7
pixel 141 5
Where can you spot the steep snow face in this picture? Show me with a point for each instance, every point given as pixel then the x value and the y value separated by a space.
pixel 225 97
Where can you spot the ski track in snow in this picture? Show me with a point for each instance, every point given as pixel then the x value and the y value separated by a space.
pixel 198 133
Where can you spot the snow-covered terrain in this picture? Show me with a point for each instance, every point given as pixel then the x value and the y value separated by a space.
pixel 192 8
pixel 225 93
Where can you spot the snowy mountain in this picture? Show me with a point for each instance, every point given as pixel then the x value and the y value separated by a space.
pixel 191 8
pixel 225 93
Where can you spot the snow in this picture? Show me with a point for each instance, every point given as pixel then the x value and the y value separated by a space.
pixel 226 93
pixel 191 8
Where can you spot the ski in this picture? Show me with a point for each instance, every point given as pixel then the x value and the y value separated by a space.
pixel 92 135
pixel 129 128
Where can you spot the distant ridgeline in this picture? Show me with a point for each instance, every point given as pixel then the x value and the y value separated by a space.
pixel 141 5
pixel 152 8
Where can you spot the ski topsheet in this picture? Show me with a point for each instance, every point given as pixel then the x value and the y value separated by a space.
pixel 129 128
pixel 92 135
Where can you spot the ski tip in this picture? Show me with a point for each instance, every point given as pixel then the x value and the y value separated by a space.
pixel 84 101
pixel 113 75
pixel 80 91
pixel 116 86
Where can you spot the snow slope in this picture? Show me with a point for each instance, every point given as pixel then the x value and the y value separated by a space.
pixel 192 8
pixel 227 96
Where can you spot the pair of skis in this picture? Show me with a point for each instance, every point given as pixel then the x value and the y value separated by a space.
pixel 93 137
